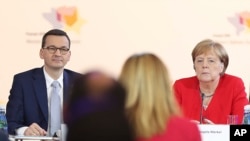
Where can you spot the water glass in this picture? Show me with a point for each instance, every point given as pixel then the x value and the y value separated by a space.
pixel 232 119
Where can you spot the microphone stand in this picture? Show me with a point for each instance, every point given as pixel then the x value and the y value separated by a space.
pixel 201 112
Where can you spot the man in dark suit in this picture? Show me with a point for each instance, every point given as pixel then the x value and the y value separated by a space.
pixel 28 108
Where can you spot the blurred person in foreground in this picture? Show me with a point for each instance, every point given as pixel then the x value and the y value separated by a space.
pixel 211 95
pixel 150 106
pixel 3 136
pixel 95 110
pixel 28 109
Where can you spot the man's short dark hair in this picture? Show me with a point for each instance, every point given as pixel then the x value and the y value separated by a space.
pixel 56 32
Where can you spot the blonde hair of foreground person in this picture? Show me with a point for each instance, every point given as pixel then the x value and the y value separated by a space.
pixel 150 101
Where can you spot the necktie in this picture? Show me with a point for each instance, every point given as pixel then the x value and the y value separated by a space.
pixel 55 109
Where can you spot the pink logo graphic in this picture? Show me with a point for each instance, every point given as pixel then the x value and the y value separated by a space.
pixel 66 18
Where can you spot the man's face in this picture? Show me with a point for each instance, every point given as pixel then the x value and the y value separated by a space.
pixel 55 52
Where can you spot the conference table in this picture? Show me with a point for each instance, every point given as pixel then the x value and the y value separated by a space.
pixel 33 138
pixel 209 132
pixel 62 137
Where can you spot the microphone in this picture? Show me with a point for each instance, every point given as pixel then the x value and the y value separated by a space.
pixel 201 112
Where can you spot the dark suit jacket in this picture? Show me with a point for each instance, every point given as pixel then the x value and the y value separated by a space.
pixel 28 100
pixel 3 136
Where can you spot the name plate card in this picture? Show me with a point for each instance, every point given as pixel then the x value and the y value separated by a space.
pixel 211 132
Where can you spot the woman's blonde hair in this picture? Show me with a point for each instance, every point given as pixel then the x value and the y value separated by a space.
pixel 150 101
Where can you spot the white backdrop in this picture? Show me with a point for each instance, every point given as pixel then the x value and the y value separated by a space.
pixel 106 32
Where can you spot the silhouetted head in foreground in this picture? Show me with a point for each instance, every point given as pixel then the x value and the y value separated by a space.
pixel 95 110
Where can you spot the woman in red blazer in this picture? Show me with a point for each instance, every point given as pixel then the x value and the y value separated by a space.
pixel 211 95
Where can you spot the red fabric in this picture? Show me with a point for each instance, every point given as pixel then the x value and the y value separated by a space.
pixel 178 129
pixel 229 98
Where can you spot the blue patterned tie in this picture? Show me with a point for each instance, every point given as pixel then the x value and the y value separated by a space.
pixel 55 109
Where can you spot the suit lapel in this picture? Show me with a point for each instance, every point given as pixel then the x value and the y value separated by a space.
pixel 41 91
pixel 66 86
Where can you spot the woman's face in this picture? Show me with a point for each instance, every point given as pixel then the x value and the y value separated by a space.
pixel 208 67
